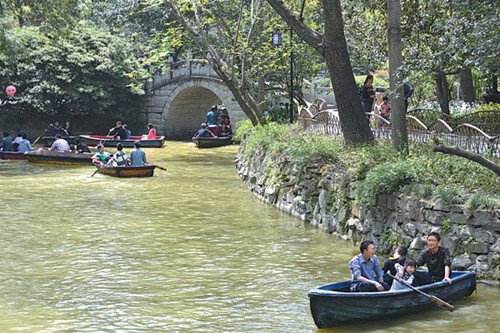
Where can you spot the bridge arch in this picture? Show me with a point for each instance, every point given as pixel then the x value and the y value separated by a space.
pixel 179 101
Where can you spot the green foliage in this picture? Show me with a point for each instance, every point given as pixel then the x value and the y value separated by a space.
pixel 450 195
pixel 482 200
pixel 446 224
pixel 87 72
pixel 287 140
pixel 388 238
pixel 385 179
pixel 377 169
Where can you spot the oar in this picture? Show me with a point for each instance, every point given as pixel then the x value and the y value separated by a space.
pixel 160 167
pixel 36 140
pixel 98 168
pixel 433 298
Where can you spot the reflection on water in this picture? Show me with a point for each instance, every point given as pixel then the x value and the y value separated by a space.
pixel 190 249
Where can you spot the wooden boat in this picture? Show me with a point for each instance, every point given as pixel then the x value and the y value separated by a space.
pixel 54 157
pixel 128 171
pixel 212 142
pixel 333 304
pixel 94 140
pixel 12 155
pixel 47 141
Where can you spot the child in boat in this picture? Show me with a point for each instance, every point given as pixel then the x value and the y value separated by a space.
pixel 405 273
pixel 399 257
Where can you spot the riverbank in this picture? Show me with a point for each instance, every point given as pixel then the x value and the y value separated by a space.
pixel 367 193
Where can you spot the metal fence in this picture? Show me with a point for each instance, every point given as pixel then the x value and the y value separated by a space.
pixel 464 136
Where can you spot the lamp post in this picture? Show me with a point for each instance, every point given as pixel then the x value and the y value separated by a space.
pixel 277 42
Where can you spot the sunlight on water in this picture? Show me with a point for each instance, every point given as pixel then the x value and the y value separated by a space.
pixel 190 249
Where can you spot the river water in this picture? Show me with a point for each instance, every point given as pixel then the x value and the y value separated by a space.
pixel 188 250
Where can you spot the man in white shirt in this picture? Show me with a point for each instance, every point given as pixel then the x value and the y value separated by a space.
pixel 60 145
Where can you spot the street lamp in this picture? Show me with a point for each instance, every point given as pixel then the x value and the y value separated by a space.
pixel 277 42
pixel 276 38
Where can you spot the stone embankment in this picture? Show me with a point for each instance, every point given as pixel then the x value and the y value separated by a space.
pixel 322 194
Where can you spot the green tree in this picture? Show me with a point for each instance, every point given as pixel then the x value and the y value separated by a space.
pixel 333 47
pixel 86 72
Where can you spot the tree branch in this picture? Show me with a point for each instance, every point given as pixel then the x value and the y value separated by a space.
pixel 470 156
pixel 310 36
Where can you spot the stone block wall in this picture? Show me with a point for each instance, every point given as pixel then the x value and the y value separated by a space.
pixel 322 194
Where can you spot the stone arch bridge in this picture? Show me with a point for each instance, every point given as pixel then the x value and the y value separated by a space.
pixel 177 102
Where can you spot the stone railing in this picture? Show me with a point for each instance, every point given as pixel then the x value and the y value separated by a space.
pixel 182 69
pixel 322 194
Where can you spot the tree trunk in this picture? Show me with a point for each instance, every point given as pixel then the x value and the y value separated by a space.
pixel 443 91
pixel 467 85
pixel 398 112
pixel 353 121
pixel 333 47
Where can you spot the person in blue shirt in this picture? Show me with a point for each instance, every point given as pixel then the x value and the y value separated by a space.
pixel 7 142
pixel 24 144
pixel 137 156
pixel 365 268
pixel 128 133
pixel 203 132
pixel 212 116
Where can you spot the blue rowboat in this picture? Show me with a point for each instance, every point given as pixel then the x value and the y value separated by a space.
pixel 212 142
pixel 333 304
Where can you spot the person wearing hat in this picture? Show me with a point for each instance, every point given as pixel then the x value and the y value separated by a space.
pixel 137 156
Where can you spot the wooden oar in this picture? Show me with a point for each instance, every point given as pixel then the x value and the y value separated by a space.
pixel 98 168
pixel 45 131
pixel 434 299
pixel 160 167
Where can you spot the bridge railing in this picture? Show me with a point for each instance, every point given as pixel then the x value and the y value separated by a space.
pixel 182 69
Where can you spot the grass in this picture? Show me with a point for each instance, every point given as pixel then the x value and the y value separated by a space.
pixel 376 168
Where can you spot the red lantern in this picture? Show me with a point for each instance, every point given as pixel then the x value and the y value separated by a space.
pixel 10 91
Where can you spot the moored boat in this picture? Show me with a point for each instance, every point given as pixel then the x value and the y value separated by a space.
pixel 94 140
pixel 333 304
pixel 54 157
pixel 12 155
pixel 212 142
pixel 128 171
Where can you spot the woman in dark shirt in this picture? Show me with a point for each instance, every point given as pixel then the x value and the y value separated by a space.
pixel 367 94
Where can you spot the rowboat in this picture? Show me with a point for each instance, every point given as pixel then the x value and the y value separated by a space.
pixel 333 304
pixel 94 140
pixel 12 155
pixel 54 157
pixel 47 141
pixel 212 142
pixel 128 171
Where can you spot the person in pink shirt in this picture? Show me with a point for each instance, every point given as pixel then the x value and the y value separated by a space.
pixel 151 134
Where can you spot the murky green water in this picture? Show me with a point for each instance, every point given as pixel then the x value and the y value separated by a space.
pixel 189 250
